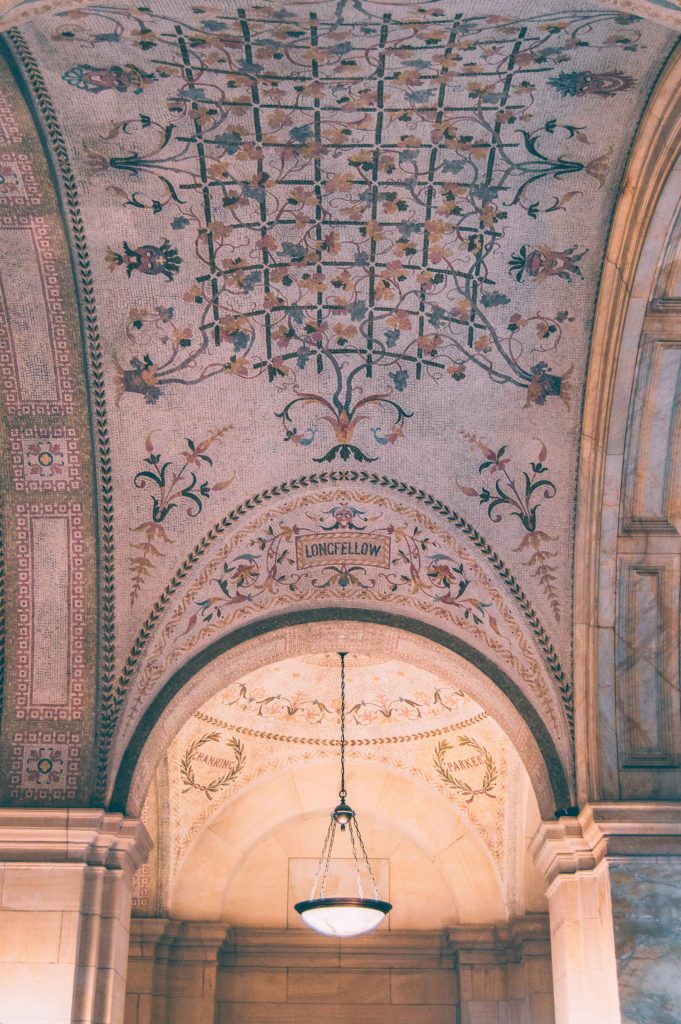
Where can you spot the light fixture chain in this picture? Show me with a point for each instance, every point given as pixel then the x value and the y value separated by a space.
pixel 366 859
pixel 332 834
pixel 343 792
pixel 360 888
pixel 324 859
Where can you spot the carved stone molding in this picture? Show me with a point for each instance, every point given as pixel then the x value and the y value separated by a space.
pixel 606 831
pixel 76 835
pixel 626 508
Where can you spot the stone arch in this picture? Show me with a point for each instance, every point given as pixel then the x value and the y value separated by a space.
pixel 497 629
pixel 628 740
pixel 270 640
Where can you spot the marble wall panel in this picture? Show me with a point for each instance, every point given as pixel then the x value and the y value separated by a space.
pixel 646 902
pixel 652 466
pixel 647 661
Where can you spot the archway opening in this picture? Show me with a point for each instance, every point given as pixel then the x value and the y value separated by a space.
pixel 236 789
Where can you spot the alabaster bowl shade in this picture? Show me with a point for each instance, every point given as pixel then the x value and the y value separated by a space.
pixel 343 916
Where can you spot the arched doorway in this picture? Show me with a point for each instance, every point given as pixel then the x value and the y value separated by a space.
pixel 237 778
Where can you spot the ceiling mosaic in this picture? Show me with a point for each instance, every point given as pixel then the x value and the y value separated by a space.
pixel 330 245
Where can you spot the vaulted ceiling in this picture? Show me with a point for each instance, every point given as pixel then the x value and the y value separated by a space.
pixel 325 269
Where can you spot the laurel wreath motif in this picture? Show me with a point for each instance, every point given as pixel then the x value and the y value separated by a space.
pixel 489 779
pixel 214 785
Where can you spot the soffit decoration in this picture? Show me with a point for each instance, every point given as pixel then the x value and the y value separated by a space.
pixel 403 722
pixel 337 239
pixel 14 12
pixel 48 565
pixel 286 556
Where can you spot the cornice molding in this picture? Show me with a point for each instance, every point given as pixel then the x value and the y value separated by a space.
pixel 78 836
pixel 606 832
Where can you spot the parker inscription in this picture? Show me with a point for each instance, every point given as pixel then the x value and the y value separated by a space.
pixel 322 549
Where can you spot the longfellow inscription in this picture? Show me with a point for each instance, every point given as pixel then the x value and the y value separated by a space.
pixel 323 549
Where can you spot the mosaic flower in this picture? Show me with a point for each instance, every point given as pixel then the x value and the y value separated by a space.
pixel 583 83
pixel 151 260
pixel 120 79
pixel 44 765
pixel 344 185
pixel 45 459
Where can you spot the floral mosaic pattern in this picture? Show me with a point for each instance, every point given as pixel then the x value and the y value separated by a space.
pixel 304 707
pixel 360 228
pixel 341 178
pixel 418 565
pixel 256 571
pixel 504 492
pixel 174 484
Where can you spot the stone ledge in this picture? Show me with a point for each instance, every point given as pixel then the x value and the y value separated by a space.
pixel 607 831
pixel 75 835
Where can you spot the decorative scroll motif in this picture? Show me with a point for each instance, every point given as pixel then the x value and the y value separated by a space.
pixel 418 565
pixel 306 708
pixel 232 768
pixel 482 757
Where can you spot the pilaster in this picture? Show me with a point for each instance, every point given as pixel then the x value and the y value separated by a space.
pixel 614 891
pixel 65 894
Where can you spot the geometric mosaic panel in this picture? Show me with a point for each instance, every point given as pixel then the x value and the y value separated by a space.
pixel 45 459
pixel 45 764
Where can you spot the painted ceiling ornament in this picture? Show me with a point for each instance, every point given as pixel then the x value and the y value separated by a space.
pixel 504 492
pixel 231 769
pixel 542 262
pixel 306 708
pixel 118 78
pixel 347 214
pixel 455 782
pixel 147 259
pixel 591 83
pixel 281 560
pixel 45 765
pixel 46 458
pixel 175 484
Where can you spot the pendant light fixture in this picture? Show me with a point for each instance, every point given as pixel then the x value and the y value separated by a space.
pixel 343 916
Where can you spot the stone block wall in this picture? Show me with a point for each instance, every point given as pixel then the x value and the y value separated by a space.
pixel 213 974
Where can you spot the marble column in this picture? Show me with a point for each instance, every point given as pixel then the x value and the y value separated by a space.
pixel 614 891
pixel 65 896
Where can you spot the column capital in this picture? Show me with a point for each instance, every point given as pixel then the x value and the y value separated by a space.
pixel 607 831
pixel 77 835
pixel 507 943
